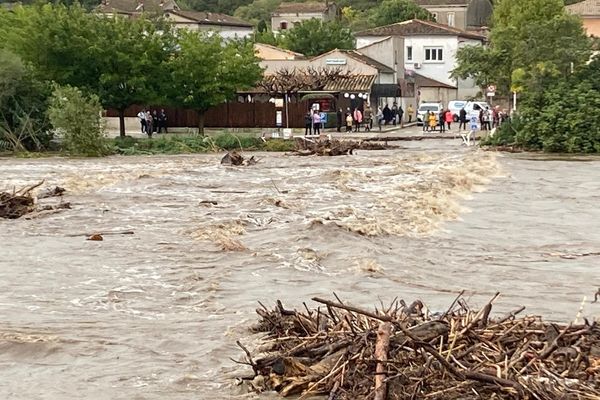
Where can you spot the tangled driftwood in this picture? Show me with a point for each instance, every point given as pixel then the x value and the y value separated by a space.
pixel 403 352
pixel 19 203
pixel 334 147
pixel 235 158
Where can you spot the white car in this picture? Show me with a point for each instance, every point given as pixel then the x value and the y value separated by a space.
pixel 426 108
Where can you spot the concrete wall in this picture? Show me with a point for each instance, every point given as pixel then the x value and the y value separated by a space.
pixel 434 95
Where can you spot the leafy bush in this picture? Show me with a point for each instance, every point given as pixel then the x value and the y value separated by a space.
pixel 79 120
pixel 228 141
pixel 279 145
pixel 561 115
pixel 23 103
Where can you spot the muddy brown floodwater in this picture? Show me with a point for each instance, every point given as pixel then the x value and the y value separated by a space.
pixel 155 315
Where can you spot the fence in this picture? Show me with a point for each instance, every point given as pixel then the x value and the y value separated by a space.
pixel 229 115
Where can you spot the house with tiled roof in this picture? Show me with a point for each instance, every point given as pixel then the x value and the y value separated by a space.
pixel 589 11
pixel 286 15
pixel 228 27
pixel 462 14
pixel 425 49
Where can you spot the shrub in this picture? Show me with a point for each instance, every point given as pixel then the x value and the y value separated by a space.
pixel 228 141
pixel 77 117
pixel 279 145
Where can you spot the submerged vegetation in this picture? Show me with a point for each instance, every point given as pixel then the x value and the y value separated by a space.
pixel 197 144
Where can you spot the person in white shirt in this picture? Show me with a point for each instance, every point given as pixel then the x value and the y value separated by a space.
pixel 142 117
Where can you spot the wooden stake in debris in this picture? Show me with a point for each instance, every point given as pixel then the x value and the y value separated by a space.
pixel 381 354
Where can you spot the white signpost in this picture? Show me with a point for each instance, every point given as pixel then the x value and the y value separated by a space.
pixel 491 92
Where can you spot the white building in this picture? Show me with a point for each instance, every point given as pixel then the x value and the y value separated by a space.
pixel 427 49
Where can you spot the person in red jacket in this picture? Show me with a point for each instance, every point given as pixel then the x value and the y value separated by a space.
pixel 449 118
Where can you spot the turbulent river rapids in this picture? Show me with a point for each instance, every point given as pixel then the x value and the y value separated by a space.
pixel 155 315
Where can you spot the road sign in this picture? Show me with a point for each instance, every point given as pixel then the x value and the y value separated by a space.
pixel 491 89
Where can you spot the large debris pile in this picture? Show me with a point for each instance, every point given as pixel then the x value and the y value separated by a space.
pixel 22 202
pixel 334 147
pixel 403 352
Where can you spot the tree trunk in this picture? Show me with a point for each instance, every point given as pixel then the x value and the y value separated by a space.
pixel 201 122
pixel 122 122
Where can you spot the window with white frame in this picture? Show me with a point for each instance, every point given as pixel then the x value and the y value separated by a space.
pixel 451 19
pixel 409 55
pixel 434 54
pixel 435 16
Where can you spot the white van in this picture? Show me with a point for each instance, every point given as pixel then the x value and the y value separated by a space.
pixel 471 107
pixel 426 108
pixel 455 106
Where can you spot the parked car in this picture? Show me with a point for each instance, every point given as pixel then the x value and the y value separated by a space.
pixel 455 106
pixel 426 108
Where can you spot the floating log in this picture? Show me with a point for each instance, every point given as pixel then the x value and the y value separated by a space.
pixel 404 352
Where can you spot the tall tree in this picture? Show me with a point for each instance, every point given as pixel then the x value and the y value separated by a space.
pixel 117 58
pixel 524 36
pixel 205 71
pixel 314 37
pixel 392 11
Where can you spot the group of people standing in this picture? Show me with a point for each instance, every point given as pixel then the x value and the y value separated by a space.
pixel 312 123
pixel 152 122
pixel 488 119
pixel 443 119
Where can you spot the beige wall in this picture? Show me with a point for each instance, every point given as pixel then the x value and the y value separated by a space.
pixel 434 94
pixel 270 53
pixel 292 18
pixel 351 65
pixel 272 66
pixel 592 26
pixel 460 15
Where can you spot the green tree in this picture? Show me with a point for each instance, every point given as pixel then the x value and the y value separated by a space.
pixel 266 37
pixel 23 103
pixel 392 11
pixel 78 119
pixel 525 34
pixel 206 72
pixel 258 10
pixel 314 37
pixel 119 59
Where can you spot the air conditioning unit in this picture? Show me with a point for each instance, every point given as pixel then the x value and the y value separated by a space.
pixel 417 65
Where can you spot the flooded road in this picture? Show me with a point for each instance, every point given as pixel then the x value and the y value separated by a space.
pixel 155 315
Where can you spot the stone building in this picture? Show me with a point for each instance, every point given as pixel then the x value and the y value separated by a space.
pixel 471 15
pixel 289 14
